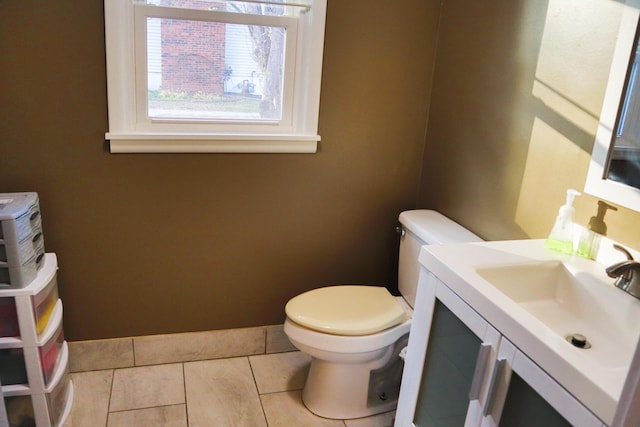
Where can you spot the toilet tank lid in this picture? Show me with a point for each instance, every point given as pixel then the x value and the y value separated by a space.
pixel 352 310
pixel 434 228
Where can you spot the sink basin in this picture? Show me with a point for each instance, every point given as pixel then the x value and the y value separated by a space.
pixel 571 302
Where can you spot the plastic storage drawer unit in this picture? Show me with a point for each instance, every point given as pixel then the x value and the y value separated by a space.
pixel 21 239
pixel 44 302
pixel 13 369
pixel 35 385
pixel 9 326
pixel 50 354
pixel 34 304
pixel 50 409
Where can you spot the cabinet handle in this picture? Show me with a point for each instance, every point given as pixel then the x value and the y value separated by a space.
pixel 478 374
pixel 498 368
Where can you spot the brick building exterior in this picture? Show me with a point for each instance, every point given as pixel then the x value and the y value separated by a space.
pixel 196 66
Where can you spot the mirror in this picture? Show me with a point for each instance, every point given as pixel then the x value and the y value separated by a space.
pixel 614 171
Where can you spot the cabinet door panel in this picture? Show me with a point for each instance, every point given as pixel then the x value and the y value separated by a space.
pixel 454 365
pixel 448 371
pixel 526 408
pixel 526 396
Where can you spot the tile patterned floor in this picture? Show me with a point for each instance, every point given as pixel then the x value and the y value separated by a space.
pixel 262 390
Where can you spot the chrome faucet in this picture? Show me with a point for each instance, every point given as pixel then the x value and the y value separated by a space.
pixel 626 273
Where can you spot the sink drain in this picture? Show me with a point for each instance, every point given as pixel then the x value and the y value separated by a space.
pixel 578 340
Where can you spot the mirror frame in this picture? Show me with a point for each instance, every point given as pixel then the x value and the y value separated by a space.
pixel 597 184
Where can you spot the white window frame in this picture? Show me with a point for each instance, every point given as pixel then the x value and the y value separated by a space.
pixel 131 130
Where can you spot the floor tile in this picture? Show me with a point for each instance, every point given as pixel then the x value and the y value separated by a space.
pixel 246 391
pixel 222 393
pixel 280 371
pixel 187 347
pixel 91 399
pixel 287 410
pixel 100 354
pixel 147 386
pixel 380 420
pixel 161 416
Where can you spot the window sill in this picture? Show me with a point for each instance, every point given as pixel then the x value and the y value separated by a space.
pixel 211 143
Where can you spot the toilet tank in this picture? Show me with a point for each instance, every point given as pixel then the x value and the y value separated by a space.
pixel 424 227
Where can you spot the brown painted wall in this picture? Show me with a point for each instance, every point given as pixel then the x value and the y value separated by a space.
pixel 167 243
pixel 517 92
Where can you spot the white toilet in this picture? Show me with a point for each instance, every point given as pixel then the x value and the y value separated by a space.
pixel 355 333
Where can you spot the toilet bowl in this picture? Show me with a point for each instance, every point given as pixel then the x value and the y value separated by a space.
pixel 355 346
pixel 355 333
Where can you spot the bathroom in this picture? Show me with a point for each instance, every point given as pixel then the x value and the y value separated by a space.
pixel 448 105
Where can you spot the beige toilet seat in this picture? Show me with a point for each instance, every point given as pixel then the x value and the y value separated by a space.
pixel 352 310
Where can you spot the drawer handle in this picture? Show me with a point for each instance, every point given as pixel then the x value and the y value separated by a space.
pixel 497 373
pixel 478 374
pixel 34 215
pixel 36 237
pixel 39 258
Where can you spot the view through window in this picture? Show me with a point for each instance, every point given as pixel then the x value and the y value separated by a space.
pixel 214 70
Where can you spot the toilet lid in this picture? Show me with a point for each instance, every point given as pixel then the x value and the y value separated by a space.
pixel 346 310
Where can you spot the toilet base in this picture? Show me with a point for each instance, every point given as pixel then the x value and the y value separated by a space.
pixel 348 390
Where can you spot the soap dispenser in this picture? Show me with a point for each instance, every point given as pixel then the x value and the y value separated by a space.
pixel 590 237
pixel 561 237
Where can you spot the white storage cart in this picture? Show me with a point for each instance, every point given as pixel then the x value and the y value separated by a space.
pixel 34 356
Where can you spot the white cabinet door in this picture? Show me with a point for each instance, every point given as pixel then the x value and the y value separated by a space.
pixel 449 359
pixel 521 394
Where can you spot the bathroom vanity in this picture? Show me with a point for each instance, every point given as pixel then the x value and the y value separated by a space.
pixel 512 334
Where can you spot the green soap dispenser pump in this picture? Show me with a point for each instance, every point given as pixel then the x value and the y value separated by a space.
pixel 561 237
pixel 590 236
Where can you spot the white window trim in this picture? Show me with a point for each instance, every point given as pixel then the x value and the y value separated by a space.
pixel 130 133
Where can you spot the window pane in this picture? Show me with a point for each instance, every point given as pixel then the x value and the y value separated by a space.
pixel 214 70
